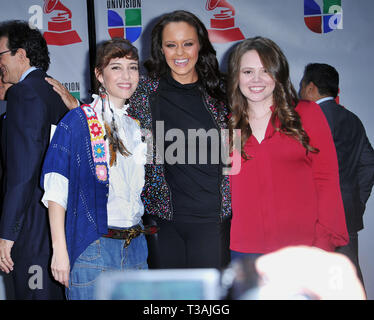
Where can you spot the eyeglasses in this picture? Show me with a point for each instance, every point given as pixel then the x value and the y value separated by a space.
pixel 1 53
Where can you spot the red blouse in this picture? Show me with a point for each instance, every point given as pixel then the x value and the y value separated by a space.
pixel 284 196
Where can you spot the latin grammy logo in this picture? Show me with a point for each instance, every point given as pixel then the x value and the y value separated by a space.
pixel 60 31
pixel 223 24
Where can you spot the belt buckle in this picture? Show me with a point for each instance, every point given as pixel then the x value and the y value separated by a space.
pixel 131 234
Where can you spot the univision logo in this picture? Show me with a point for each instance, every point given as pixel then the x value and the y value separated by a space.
pixel 125 23
pixel 323 16
pixel 73 88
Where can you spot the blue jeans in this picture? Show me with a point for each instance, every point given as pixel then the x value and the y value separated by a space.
pixel 239 255
pixel 104 254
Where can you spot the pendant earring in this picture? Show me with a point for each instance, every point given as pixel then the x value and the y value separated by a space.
pixel 102 92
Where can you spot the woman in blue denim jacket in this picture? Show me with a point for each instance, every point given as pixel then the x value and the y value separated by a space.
pixel 93 176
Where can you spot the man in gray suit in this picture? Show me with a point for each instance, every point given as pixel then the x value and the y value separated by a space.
pixel 320 83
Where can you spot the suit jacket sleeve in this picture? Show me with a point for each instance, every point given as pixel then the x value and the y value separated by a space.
pixel 26 138
pixel 365 169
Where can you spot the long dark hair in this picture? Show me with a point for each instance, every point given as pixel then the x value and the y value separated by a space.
pixel 211 79
pixel 284 96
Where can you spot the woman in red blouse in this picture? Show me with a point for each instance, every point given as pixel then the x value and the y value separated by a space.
pixel 287 191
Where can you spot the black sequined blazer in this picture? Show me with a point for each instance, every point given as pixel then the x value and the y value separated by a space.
pixel 156 194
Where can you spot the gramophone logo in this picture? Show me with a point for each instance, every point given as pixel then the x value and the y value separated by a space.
pixel 60 31
pixel 323 16
pixel 125 21
pixel 222 26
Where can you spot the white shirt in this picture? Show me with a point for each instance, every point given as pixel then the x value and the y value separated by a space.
pixel 126 178
pixel 324 99
pixel 26 73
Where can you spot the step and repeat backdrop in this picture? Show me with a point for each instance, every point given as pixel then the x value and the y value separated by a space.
pixel 337 32
pixel 64 26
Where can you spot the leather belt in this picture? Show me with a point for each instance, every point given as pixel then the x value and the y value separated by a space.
pixel 131 233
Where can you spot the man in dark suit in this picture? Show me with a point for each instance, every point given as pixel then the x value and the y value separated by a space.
pixel 320 83
pixel 33 106
pixel 3 88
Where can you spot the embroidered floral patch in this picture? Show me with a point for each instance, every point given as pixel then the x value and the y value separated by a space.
pixel 95 129
pixel 102 172
pixel 89 112
pixel 99 149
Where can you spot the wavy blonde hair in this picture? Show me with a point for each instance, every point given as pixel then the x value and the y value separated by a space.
pixel 284 96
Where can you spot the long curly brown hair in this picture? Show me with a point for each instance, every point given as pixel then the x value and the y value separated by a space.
pixel 285 97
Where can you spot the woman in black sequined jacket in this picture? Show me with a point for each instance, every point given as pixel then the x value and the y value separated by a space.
pixel 156 194
pixel 184 240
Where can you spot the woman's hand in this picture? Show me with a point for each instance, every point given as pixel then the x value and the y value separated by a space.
pixel 70 101
pixel 60 266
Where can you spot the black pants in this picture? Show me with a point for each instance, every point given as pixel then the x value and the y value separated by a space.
pixel 33 280
pixel 190 245
pixel 351 251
